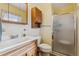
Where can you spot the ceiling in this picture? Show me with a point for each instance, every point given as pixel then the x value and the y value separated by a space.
pixel 21 6
pixel 60 4
pixel 63 8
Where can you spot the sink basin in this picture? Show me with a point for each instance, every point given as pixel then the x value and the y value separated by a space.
pixel 11 43
pixel 8 43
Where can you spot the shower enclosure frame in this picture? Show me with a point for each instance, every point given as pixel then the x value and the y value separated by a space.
pixel 75 35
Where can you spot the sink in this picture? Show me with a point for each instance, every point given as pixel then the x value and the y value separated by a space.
pixel 12 43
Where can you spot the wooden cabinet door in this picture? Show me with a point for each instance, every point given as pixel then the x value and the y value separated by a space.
pixel 32 52
pixel 36 17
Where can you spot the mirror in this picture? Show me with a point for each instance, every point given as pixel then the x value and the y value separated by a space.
pixel 14 13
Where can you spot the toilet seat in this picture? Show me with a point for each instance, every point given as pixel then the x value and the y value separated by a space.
pixel 45 47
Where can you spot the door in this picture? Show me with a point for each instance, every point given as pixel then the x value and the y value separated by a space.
pixel 63 29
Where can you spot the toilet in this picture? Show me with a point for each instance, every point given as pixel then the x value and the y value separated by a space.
pixel 44 48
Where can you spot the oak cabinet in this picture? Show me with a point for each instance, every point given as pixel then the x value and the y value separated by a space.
pixel 36 15
pixel 32 52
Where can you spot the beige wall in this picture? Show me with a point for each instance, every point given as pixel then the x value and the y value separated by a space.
pixel 46 30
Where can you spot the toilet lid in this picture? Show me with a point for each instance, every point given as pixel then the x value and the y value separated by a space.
pixel 44 46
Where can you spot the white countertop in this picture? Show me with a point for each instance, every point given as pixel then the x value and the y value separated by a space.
pixel 10 44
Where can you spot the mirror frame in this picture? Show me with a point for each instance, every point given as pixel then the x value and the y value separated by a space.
pixel 13 22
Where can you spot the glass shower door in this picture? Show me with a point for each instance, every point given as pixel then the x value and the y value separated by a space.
pixel 63 29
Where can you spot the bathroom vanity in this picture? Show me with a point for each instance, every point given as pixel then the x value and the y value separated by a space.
pixel 24 47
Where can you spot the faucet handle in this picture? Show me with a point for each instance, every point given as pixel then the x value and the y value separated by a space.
pixel 24 35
